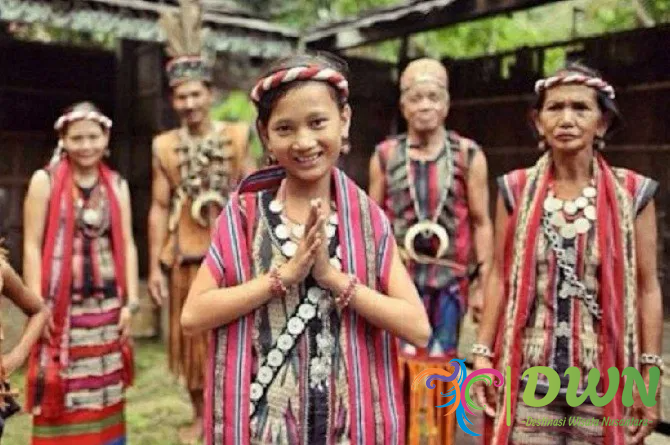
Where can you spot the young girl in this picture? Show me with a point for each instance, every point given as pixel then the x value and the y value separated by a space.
pixel 79 253
pixel 303 284
pixel 32 305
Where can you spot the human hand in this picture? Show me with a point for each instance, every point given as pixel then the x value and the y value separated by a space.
pixel 158 286
pixel 299 266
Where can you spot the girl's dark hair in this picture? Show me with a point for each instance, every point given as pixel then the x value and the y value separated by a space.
pixel 606 104
pixel 84 107
pixel 322 59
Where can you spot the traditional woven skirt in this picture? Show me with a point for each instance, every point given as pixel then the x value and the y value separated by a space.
pixel 187 356
pixel 84 427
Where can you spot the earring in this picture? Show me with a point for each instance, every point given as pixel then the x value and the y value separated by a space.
pixel 270 160
pixel 542 144
pixel 346 147
pixel 599 143
pixel 108 153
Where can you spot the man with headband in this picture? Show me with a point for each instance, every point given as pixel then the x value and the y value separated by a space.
pixel 194 168
pixel 433 185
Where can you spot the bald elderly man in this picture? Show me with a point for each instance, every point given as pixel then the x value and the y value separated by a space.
pixel 432 183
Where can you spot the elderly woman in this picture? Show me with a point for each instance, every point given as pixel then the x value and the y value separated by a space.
pixel 574 268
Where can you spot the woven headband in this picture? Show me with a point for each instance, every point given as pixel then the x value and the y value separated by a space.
pixel 311 72
pixel 83 115
pixel 593 82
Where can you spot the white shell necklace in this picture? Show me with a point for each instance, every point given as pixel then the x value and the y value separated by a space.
pixel 572 217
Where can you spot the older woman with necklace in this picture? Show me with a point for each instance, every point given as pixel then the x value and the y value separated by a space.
pixel 574 269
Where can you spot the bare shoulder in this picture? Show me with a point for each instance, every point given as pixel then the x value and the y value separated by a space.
pixel 40 185
pixel 165 141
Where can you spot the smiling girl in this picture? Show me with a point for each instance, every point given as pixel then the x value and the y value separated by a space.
pixel 303 285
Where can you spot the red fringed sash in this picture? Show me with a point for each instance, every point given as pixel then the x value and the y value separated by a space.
pixel 44 387
pixel 610 205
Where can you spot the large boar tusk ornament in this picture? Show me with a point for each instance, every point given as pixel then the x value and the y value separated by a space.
pixel 202 202
pixel 427 228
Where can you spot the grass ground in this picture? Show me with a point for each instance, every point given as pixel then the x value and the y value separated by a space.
pixel 156 405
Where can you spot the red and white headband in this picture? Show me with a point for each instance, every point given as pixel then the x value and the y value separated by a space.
pixel 83 115
pixel 310 72
pixel 593 82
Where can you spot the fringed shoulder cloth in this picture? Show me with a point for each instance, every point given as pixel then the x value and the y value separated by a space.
pixel 377 415
pixel 618 190
pixel 48 360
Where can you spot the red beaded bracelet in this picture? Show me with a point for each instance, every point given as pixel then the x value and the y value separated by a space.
pixel 344 298
pixel 277 285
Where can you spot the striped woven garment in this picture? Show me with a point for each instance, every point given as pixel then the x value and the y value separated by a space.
pixel 618 334
pixel 377 414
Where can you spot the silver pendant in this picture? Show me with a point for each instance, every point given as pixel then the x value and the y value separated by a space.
pixel 295 326
pixel 91 217
pixel 581 202
pixel 330 231
pixel 590 212
pixel 570 207
pixel 314 294
pixel 285 342
pixel 255 392
pixel 568 231
pixel 589 192
pixel 289 248
pixel 275 358
pixel 333 219
pixel 276 206
pixel 552 204
pixel 281 232
pixel 336 263
pixel 306 311
pixel 582 225
pixel 264 375
pixel 558 220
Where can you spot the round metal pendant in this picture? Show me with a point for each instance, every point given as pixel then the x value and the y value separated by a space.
pixel 332 219
pixel 336 263
pixel 276 206
pixel 589 192
pixel 306 311
pixel 582 225
pixel 298 231
pixel 264 375
pixel 275 358
pixel 91 217
pixel 581 202
pixel 428 227
pixel 570 208
pixel 255 391
pixel 552 204
pixel 295 326
pixel 330 231
pixel 568 231
pixel 558 220
pixel 590 212
pixel 281 231
pixel 289 248
pixel 314 294
pixel 285 342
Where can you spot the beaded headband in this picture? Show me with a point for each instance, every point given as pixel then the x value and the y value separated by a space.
pixel 83 115
pixel 593 82
pixel 186 68
pixel 309 72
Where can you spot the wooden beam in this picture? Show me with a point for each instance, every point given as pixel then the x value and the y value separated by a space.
pixel 418 16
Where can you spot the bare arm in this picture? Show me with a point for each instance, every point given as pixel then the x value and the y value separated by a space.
pixel 649 290
pixel 32 305
pixel 478 204
pixel 401 312
pixel 376 188
pixel 35 209
pixel 158 228
pixel 494 284
pixel 130 247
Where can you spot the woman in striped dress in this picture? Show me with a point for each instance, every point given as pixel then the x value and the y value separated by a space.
pixel 79 254
pixel 574 272
pixel 303 284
